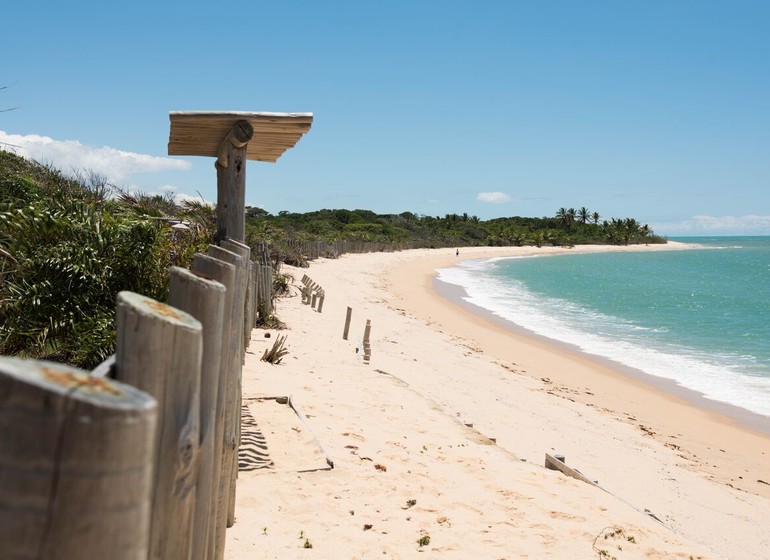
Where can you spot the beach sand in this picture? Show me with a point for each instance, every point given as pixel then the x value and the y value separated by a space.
pixel 442 437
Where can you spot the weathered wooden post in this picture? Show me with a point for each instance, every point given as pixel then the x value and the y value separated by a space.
pixel 215 269
pixel 367 347
pixel 76 464
pixel 231 183
pixel 158 350
pixel 348 315
pixel 245 253
pixel 205 300
pixel 232 394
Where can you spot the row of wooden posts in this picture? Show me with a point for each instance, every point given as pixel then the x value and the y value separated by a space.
pixel 312 294
pixel 141 463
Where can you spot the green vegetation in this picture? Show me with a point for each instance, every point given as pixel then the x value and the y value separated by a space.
pixel 567 227
pixel 67 248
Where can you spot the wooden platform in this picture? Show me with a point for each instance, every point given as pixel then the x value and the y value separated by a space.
pixel 200 133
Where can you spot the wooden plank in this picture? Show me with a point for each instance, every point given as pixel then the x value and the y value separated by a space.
pixel 204 299
pixel 159 350
pixel 202 133
pixel 553 463
pixel 77 461
pixel 223 272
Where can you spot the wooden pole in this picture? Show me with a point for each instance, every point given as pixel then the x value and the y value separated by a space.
pixel 77 461
pixel 348 316
pixel 231 183
pixel 215 269
pixel 232 395
pixel 159 351
pixel 245 252
pixel 205 300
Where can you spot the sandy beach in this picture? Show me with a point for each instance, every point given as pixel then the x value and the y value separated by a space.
pixel 438 443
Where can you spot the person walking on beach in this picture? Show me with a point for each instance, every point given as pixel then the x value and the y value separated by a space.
pixel 457 252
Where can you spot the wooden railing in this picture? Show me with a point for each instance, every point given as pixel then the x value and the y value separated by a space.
pixel 137 459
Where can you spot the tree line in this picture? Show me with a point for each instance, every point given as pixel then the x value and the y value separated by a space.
pixel 567 227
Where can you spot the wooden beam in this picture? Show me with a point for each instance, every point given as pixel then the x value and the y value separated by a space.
pixel 238 137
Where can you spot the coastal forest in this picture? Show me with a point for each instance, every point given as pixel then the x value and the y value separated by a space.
pixel 70 242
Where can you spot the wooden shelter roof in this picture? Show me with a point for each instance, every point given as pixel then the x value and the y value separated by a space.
pixel 200 133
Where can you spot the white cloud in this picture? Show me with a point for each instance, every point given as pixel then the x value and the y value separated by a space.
pixel 70 155
pixel 495 197
pixel 716 225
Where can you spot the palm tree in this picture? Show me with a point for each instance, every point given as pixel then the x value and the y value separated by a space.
pixel 562 214
pixel 595 217
pixel 583 214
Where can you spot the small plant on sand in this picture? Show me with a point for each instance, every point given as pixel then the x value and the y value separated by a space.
pixel 424 540
pixel 410 503
pixel 307 544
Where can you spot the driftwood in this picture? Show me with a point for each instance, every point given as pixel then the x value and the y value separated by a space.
pixel 275 354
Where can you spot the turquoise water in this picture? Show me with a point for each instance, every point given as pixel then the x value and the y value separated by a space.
pixel 700 316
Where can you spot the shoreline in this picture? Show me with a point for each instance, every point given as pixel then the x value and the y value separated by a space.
pixel 748 419
pixel 726 447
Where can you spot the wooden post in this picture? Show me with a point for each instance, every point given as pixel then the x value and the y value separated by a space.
pixel 348 316
pixel 232 399
pixel 231 183
pixel 215 269
pixel 245 252
pixel 158 350
pixel 321 302
pixel 367 347
pixel 205 300
pixel 255 272
pixel 77 461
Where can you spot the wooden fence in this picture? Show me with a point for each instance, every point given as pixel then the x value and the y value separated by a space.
pixel 137 459
pixel 317 249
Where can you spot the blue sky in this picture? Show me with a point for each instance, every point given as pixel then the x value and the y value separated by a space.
pixel 658 110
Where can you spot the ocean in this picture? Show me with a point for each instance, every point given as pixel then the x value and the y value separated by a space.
pixel 699 317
